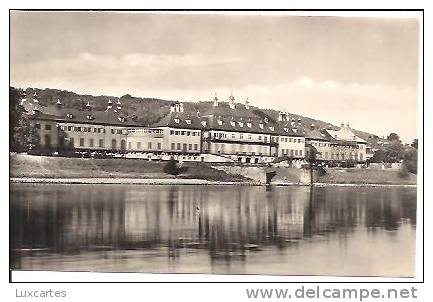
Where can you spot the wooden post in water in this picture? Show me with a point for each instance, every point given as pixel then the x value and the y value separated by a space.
pixel 312 161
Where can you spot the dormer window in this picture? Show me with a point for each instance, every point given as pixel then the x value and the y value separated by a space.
pixel 68 115
pixel 266 120
pixel 121 119
pixel 89 117
pixel 249 124
pixel 203 123
pixel 188 121
pixel 261 125
pixel 232 123
pixel 220 122
pixel 295 130
pixel 241 124
pixel 286 129
pixel 177 120
pixel 272 128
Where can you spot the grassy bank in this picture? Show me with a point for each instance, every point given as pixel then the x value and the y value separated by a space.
pixel 26 166
pixel 366 176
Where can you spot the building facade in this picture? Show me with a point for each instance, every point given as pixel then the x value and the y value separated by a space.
pixel 227 132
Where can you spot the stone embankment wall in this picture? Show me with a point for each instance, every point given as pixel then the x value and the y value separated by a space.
pixel 258 174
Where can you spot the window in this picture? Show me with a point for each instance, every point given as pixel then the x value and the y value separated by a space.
pixel 159 146
pixel 71 141
pixel 112 131
pixel 178 146
pixel 171 132
pixel 182 132
pixel 149 145
pixel 188 133
pixel 101 143
pixel 81 142
pixel 113 144
pixel 195 147
pixel 241 136
pixel 91 142
pixel 249 136
pixel 296 152
pixel 184 147
pixel 172 146
pixel 232 123
pixel 47 127
pixel 260 137
pixel 89 129
pixel 189 146
pixel 70 128
pixel 138 145
pixel 300 152
pixel 129 145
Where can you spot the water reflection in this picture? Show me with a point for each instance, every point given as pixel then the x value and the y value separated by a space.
pixel 237 229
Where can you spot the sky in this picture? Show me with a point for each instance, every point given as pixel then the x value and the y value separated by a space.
pixel 362 71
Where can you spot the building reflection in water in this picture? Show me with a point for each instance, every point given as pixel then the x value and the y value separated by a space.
pixel 229 223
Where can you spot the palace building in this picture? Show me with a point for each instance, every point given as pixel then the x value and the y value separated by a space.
pixel 227 132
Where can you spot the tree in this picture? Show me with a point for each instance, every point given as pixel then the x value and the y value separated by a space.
pixel 415 144
pixel 22 136
pixel 393 137
pixel 411 160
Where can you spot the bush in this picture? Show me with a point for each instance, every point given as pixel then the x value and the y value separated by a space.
pixel 403 172
pixel 172 168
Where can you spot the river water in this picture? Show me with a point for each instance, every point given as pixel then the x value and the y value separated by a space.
pixel 337 231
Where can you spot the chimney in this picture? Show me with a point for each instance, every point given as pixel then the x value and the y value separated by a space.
pixel 342 125
pixel 247 104
pixel 181 107
pixel 280 116
pixel 119 105
pixel 110 104
pixel 348 126
pixel 215 101
pixel 88 107
pixel 198 114
pixel 35 99
pixel 23 98
pixel 58 103
pixel 312 126
pixel 172 108
pixel 232 101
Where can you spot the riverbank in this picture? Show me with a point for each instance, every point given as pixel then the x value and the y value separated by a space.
pixel 51 169
pixel 41 169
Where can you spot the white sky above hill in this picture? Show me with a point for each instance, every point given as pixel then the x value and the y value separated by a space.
pixel 358 70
